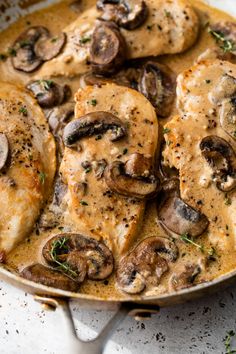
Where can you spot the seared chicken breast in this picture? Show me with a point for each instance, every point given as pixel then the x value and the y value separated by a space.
pixel 116 127
pixel 201 144
pixel 27 164
pixel 171 27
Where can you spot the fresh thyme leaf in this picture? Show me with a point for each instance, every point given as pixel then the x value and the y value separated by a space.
pixel 93 102
pixel 166 130
pixel 228 45
pixel 227 341
pixel 54 39
pixel 83 202
pixel 59 246
pixel 25 43
pixel 167 13
pixel 3 57
pixel 186 238
pixel 228 201
pixel 42 177
pixel 47 84
pixel 23 110
pixel 84 40
pixel 12 52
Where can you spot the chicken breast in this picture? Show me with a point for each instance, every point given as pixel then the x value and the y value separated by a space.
pixel 201 145
pixel 28 150
pixel 92 207
pixel 172 27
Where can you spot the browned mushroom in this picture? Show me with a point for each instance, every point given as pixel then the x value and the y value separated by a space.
pixel 129 14
pixel 93 123
pixel 157 83
pixel 48 93
pixel 48 48
pixel 25 58
pixel 4 150
pixel 222 159
pixel 185 277
pixel 134 179
pixel 176 216
pixel 99 168
pixel 38 273
pixel 225 35
pixel 146 264
pixel 77 255
pixel 108 49
pixel 59 116
pixel 228 115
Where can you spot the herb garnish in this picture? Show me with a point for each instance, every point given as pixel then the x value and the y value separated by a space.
pixel 187 239
pixel 58 246
pixel 42 177
pixel 167 13
pixel 12 52
pixel 23 110
pixel 93 102
pixel 228 45
pixel 83 202
pixel 227 341
pixel 47 84
pixel 54 39
pixel 3 57
pixel 166 130
pixel 84 40
pixel 228 201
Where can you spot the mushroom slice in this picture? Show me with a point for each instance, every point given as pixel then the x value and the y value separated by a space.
pixel 225 35
pixel 48 48
pixel 146 264
pixel 177 216
pixel 108 49
pixel 25 58
pixel 185 277
pixel 129 14
pixel 132 179
pixel 4 150
pixel 221 157
pixel 38 273
pixel 157 83
pixel 75 253
pixel 228 115
pixel 92 124
pixel 48 93
pixel 59 116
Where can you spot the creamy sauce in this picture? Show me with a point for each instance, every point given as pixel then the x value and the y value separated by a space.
pixel 56 18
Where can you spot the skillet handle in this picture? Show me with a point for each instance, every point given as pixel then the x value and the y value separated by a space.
pixel 97 345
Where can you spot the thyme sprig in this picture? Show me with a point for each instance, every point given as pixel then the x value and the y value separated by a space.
pixel 187 239
pixel 227 341
pixel 228 45
pixel 57 247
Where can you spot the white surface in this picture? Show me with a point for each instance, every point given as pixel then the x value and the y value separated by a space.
pixel 194 328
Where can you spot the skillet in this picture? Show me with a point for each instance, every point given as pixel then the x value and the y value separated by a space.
pixel 138 306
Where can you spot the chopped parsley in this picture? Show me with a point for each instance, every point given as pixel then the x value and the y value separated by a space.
pixel 166 130
pixel 84 40
pixel 54 39
pixel 42 177
pixel 228 45
pixel 23 110
pixel 187 239
pixel 93 102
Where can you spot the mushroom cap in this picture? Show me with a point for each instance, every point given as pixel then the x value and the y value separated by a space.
pixel 92 124
pixel 49 277
pixel 145 265
pixel 48 48
pixel 108 49
pixel 123 179
pixel 84 255
pixel 184 277
pixel 4 150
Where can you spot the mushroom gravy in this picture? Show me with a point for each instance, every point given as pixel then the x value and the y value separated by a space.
pixel 202 255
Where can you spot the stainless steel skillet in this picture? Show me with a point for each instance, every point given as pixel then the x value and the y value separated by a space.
pixel 136 306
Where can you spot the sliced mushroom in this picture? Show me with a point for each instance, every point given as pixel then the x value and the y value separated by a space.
pixel 99 168
pixel 146 264
pixel 25 58
pixel 228 115
pixel 227 31
pixel 157 83
pixel 77 251
pixel 129 14
pixel 176 216
pixel 49 277
pixel 48 48
pixel 48 93
pixel 221 157
pixel 4 150
pixel 108 49
pixel 185 277
pixel 59 116
pixel 132 179
pixel 92 124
